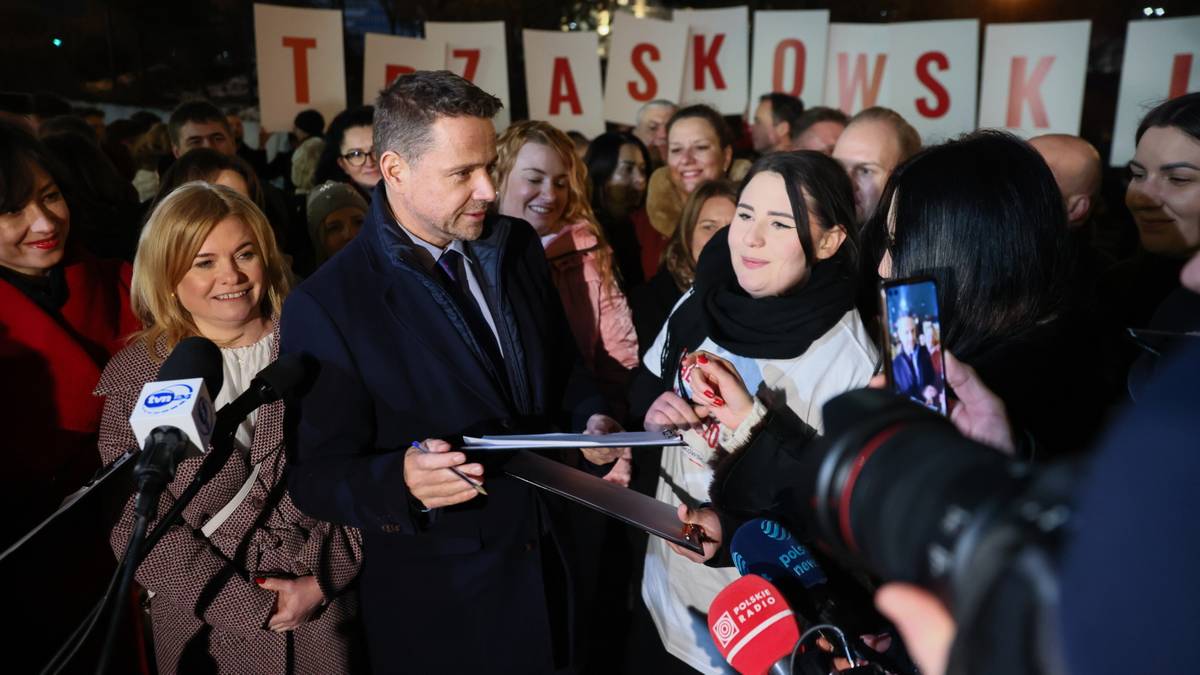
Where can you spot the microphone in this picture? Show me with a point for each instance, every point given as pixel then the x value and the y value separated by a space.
pixel 282 377
pixel 765 548
pixel 173 417
pixel 753 627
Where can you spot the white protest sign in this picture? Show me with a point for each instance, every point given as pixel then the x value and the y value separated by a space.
pixel 562 80
pixel 386 57
pixel 1162 60
pixel 478 52
pixel 1033 77
pixel 856 66
pixel 789 55
pixel 933 76
pixel 300 63
pixel 645 63
pixel 716 66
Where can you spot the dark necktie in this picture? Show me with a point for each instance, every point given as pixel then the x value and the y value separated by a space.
pixel 452 275
pixel 916 368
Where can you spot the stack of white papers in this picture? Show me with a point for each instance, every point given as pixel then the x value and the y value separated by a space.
pixel 625 439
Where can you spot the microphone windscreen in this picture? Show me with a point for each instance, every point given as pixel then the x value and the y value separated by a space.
pixel 288 374
pixel 195 357
pixel 766 548
pixel 752 625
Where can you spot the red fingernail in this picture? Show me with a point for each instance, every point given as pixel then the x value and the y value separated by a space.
pixel 718 402
pixel 709 393
pixel 260 580
pixel 702 358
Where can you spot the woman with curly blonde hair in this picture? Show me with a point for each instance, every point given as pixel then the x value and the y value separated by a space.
pixel 246 583
pixel 540 179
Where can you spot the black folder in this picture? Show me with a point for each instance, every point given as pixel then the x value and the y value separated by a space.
pixel 628 506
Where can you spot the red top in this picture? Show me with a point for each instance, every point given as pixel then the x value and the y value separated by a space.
pixel 48 415
pixel 651 241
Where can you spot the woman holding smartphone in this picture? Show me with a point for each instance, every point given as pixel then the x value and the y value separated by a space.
pixel 774 300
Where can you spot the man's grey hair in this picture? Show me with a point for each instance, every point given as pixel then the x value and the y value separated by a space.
pixel 656 103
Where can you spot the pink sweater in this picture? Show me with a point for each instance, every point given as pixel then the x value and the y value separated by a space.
pixel 599 316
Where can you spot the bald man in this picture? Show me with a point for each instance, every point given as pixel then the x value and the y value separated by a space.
pixel 1076 167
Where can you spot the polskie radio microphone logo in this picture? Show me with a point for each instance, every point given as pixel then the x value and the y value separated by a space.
pixel 752 625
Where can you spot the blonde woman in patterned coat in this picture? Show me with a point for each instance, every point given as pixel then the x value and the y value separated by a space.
pixel 264 589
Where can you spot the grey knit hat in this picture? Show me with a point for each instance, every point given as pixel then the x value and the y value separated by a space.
pixel 324 200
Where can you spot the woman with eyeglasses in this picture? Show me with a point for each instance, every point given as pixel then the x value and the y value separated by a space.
pixel 349 155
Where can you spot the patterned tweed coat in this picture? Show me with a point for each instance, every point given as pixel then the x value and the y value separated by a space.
pixel 209 616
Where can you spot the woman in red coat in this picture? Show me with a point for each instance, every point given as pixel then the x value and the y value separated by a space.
pixel 63 313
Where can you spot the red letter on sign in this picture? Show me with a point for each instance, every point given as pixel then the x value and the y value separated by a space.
pixel 641 52
pixel 472 57
pixel 940 96
pixel 561 79
pixel 797 76
pixel 706 61
pixel 848 83
pixel 300 47
pixel 394 71
pixel 1180 70
pixel 1021 89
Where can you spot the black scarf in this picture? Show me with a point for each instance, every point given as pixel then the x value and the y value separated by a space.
pixel 777 327
pixel 48 292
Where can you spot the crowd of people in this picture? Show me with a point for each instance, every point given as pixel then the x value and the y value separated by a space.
pixel 692 273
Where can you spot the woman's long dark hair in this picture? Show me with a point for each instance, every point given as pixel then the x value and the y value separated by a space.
pixel 601 159
pixel 327 165
pixel 983 216
pixel 20 153
pixel 830 195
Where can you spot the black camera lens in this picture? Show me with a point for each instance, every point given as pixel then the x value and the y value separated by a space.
pixel 905 494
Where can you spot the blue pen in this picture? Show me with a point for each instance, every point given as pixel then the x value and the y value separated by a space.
pixel 470 481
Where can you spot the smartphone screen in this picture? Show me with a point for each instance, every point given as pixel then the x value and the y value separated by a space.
pixel 912 323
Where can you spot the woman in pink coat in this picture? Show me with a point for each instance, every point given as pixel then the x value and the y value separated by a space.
pixel 541 180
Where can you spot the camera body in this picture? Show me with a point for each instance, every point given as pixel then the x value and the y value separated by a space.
pixel 893 489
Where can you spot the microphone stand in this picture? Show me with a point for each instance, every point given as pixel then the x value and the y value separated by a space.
pixel 153 471
pixel 155 481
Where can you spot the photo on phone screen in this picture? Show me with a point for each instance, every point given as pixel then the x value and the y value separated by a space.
pixel 913 324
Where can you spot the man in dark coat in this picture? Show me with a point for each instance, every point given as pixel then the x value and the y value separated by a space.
pixel 912 367
pixel 440 319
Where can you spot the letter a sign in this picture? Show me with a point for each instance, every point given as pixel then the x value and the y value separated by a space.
pixel 301 64
pixel 1033 77
pixel 562 80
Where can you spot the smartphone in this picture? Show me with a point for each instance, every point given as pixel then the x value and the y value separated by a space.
pixel 912 330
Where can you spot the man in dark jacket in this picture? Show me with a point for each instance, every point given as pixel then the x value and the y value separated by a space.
pixel 440 319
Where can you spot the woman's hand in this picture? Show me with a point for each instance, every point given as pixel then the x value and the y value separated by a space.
pixel 295 601
pixel 710 532
pixel 717 384
pixel 669 412
pixel 978 414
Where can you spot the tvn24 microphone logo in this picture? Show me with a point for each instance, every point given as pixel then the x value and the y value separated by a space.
pixel 168 398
